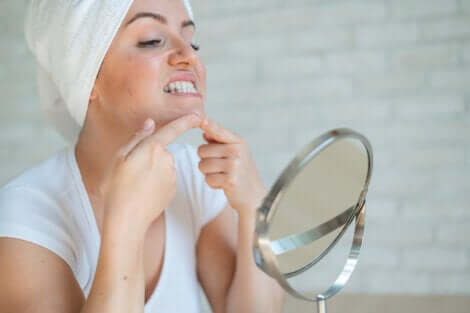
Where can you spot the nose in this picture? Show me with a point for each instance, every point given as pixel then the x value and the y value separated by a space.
pixel 183 53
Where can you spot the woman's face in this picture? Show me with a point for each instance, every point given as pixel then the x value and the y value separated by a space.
pixel 144 56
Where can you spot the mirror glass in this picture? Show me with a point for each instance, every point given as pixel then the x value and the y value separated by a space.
pixel 324 193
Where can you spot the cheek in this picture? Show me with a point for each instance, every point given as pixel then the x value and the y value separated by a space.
pixel 201 73
pixel 139 78
pixel 202 69
pixel 117 79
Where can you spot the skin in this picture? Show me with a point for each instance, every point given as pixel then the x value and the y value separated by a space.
pixel 113 153
pixel 129 86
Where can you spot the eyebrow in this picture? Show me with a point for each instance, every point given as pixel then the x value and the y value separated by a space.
pixel 160 18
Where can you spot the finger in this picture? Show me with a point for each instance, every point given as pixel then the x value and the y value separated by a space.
pixel 217 150
pixel 169 132
pixel 217 132
pixel 147 130
pixel 213 165
pixel 208 138
pixel 216 180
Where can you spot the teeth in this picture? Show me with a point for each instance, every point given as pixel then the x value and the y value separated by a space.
pixel 180 87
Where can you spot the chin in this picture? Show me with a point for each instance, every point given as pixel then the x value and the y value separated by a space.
pixel 193 108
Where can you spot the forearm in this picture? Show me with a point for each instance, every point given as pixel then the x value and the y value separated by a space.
pixel 119 284
pixel 252 290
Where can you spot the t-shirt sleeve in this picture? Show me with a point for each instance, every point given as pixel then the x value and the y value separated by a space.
pixel 207 201
pixel 30 215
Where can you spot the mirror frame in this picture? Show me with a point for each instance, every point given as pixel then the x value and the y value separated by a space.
pixel 263 253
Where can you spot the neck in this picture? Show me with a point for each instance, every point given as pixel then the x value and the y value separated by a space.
pixel 93 151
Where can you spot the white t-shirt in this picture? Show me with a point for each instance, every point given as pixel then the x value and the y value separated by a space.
pixel 48 205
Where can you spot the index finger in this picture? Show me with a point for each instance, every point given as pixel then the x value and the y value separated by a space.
pixel 169 132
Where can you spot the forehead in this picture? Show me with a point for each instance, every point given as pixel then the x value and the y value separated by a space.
pixel 174 10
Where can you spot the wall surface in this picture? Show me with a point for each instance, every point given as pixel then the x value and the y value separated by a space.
pixel 280 73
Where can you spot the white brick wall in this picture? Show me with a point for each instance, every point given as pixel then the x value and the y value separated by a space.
pixel 453 234
pixel 386 34
pixel 405 9
pixel 398 280
pixel 425 58
pixel 280 73
pixel 449 28
pixel 435 259
pixel 466 54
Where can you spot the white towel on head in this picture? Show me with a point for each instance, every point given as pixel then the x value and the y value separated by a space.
pixel 69 39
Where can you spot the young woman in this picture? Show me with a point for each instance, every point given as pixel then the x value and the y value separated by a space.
pixel 125 220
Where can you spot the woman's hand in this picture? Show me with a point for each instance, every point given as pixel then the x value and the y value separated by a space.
pixel 227 163
pixel 141 180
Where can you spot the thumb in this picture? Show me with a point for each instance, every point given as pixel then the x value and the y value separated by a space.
pixel 146 130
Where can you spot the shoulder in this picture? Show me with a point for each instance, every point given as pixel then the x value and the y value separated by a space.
pixel 47 175
pixel 33 207
pixel 39 189
pixel 23 203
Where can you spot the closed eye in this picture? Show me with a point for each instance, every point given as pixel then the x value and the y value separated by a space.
pixel 195 46
pixel 149 43
pixel 158 41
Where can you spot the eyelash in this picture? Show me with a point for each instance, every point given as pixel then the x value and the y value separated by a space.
pixel 195 46
pixel 151 43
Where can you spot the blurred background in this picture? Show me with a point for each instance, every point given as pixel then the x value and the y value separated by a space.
pixel 281 73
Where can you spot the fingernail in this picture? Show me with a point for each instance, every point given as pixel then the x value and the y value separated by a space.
pixel 148 124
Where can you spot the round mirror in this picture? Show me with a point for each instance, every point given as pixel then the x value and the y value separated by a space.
pixel 303 236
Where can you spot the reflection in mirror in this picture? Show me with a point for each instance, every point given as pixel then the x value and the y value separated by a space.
pixel 325 192
pixel 318 278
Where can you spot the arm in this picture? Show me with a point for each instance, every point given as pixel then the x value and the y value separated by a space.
pixel 119 284
pixel 132 199
pixel 251 289
pixel 34 279
pixel 227 163
pixel 226 269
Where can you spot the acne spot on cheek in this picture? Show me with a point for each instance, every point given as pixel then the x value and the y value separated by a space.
pixel 129 90
pixel 126 87
pixel 131 75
